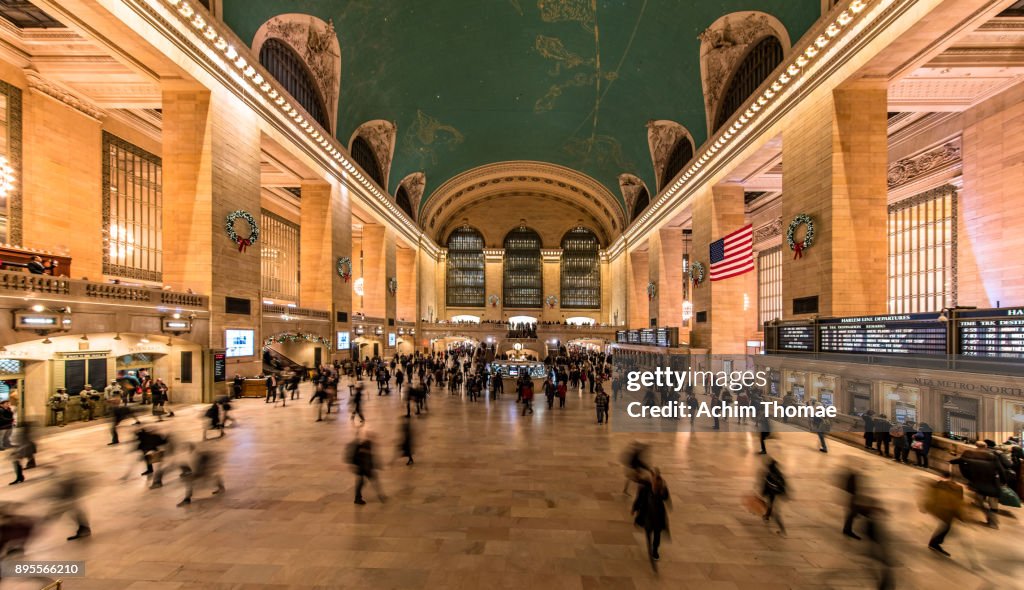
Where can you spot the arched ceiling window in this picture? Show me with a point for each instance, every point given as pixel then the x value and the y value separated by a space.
pixel 643 199
pixel 464 279
pixel 403 201
pixel 523 281
pixel 581 270
pixel 761 60
pixel 285 65
pixel 681 154
pixel 363 154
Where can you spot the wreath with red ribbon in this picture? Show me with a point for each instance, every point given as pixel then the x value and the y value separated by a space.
pixel 552 301
pixel 345 268
pixel 697 273
pixel 799 247
pixel 254 229
pixel 493 300
pixel 652 291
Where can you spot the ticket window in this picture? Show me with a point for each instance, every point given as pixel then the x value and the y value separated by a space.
pixel 826 389
pixel 774 383
pixel 859 398
pixel 902 402
pixel 797 385
pixel 1014 421
pixel 960 417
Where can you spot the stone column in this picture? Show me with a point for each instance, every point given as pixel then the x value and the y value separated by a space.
pixel 552 281
pixel 374 266
pixel 326 236
pixel 211 167
pixel 638 274
pixel 494 269
pixel 834 169
pixel 405 299
pixel 717 212
pixel 666 271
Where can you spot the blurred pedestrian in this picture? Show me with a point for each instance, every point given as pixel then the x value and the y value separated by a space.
pixel 650 510
pixel 773 487
pixel 944 500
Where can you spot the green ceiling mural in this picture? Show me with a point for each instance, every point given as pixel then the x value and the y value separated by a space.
pixel 472 82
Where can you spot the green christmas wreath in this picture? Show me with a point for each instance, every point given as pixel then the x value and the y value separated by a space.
pixel 808 241
pixel 254 229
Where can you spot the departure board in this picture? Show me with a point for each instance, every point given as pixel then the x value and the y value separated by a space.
pixel 622 337
pixel 667 337
pixel 991 333
pixel 799 338
pixel 647 337
pixel 916 333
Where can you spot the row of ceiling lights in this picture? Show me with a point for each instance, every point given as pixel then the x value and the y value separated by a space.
pixel 802 60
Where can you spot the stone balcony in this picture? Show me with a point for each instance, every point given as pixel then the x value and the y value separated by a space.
pixel 25 285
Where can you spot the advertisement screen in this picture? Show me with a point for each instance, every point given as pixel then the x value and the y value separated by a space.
pixel 344 341
pixel 240 342
pixel 391 339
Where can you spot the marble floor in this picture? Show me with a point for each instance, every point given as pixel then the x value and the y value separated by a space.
pixel 495 500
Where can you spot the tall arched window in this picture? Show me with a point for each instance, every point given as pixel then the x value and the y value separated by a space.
pixel 464 281
pixel 363 154
pixel 524 283
pixel 681 154
pixel 581 270
pixel 285 65
pixel 762 59
pixel 403 201
pixel 643 199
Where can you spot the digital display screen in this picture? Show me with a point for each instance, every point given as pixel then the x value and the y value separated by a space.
pixel 796 338
pixel 220 367
pixel 239 343
pixel 991 333
pixel 920 333
pixel 344 341
pixel 391 339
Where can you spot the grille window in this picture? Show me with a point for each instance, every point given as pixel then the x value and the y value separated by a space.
pixel 643 199
pixel 363 154
pixel 922 252
pixel 681 154
pixel 465 275
pixel 285 65
pixel 524 283
pixel 755 68
pixel 769 285
pixel 280 257
pixel 132 211
pixel 581 270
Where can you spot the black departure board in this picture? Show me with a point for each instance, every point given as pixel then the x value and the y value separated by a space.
pixel 220 367
pixel 647 337
pixel 633 337
pixel 915 333
pixel 991 333
pixel 667 337
pixel 797 338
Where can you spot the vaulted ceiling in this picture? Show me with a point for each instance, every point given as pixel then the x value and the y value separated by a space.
pixel 474 82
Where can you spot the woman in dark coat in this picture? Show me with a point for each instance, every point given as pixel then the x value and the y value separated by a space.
pixel 985 476
pixel 773 487
pixel 923 436
pixel 651 510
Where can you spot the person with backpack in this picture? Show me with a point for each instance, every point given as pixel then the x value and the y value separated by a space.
pixel 900 446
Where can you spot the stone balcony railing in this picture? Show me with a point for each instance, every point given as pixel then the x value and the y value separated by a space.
pixel 298 312
pixel 86 291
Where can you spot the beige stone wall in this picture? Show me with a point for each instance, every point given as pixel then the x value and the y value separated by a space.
pixel 666 271
pixel 637 277
pixel 717 212
pixel 405 300
pixel 374 260
pixel 62 189
pixel 834 169
pixel 990 268
pixel 211 155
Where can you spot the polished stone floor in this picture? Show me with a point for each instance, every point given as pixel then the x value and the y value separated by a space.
pixel 495 500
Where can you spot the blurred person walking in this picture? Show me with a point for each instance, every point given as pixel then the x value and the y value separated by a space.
pixel 944 500
pixel 650 510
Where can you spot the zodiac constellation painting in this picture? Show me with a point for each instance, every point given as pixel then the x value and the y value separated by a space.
pixel 427 135
pixel 573 69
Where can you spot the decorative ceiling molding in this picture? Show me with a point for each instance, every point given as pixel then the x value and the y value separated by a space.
pixel 662 137
pixel 522 177
pixel 63 94
pixel 910 169
pixel 380 134
pixel 315 41
pixel 630 185
pixel 768 231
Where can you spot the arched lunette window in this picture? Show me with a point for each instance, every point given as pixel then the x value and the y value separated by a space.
pixel 363 154
pixel 581 270
pixel 643 199
pixel 464 280
pixel 288 68
pixel 403 201
pixel 523 281
pixel 681 154
pixel 761 60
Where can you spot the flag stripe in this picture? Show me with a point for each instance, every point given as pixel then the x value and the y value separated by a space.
pixel 732 255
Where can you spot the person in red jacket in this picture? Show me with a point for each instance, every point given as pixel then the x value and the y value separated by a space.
pixel 528 397
pixel 561 393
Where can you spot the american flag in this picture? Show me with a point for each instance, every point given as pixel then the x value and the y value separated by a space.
pixel 733 255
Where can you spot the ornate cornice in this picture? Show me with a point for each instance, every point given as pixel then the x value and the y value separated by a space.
pixel 62 94
pixel 768 231
pixel 909 169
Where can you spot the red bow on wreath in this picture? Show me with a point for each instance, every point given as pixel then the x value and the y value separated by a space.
pixel 243 243
pixel 798 250
pixel 346 276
